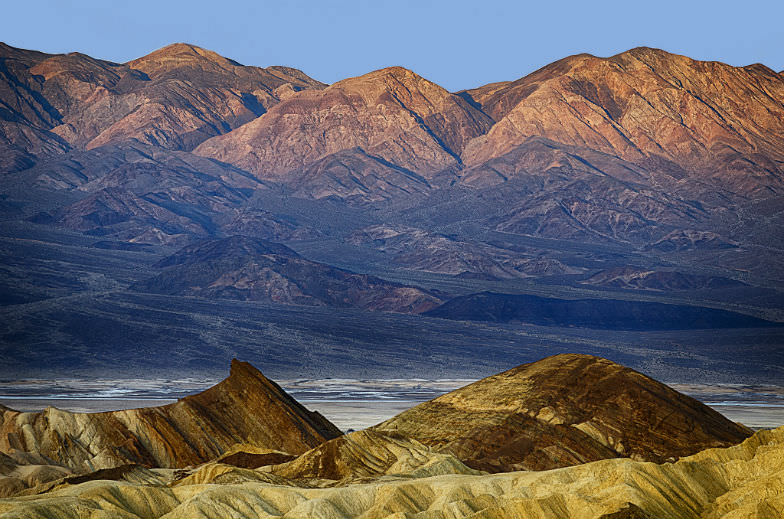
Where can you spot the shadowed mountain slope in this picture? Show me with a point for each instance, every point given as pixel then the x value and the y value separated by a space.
pixel 146 194
pixel 564 410
pixel 249 269
pixel 591 313
pixel 244 408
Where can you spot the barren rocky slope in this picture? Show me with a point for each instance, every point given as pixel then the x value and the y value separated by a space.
pixel 641 279
pixel 392 115
pixel 244 408
pixel 739 481
pixel 174 97
pixel 418 249
pixel 647 106
pixel 564 410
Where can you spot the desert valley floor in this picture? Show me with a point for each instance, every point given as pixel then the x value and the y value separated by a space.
pixel 349 404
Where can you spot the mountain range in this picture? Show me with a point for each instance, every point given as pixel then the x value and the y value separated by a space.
pixel 645 177
pixel 162 216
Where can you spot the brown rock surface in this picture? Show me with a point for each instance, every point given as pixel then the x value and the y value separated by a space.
pixel 391 113
pixel 244 408
pixel 648 107
pixel 174 97
pixel 250 458
pixel 564 410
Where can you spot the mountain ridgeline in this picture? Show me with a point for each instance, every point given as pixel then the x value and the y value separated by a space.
pixel 641 192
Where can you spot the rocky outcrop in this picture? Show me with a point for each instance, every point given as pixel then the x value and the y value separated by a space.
pixel 564 410
pixel 686 240
pixel 244 408
pixel 663 280
pixel 418 249
pixel 22 470
pixel 369 455
pixel 250 269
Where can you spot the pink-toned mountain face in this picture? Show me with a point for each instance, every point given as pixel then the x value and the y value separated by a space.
pixel 195 94
pixel 664 112
pixel 392 115
pixel 646 149
pixel 25 117
pixel 175 98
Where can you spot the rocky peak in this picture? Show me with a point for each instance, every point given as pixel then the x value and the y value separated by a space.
pixel 7 51
pixel 641 105
pixel 392 114
pixel 179 55
pixel 245 408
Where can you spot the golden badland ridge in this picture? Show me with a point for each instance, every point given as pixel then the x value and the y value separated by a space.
pixel 252 451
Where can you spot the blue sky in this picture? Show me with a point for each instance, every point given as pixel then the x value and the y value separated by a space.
pixel 458 44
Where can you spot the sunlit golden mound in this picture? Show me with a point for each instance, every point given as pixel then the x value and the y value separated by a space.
pixel 564 410
pixel 369 454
